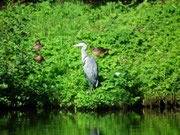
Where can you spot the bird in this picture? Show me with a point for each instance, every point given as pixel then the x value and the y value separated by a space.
pixel 37 45
pixel 99 51
pixel 90 65
pixel 139 28
pixel 39 58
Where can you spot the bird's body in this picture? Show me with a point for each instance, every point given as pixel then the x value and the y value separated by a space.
pixel 90 66
pixel 39 58
pixel 90 71
pixel 99 51
pixel 139 28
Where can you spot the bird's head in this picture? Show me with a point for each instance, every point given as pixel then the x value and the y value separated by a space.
pixel 37 42
pixel 80 44
pixel 92 47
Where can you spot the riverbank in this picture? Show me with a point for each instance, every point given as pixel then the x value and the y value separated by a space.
pixel 142 68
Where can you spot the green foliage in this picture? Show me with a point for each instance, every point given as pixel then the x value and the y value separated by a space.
pixel 144 48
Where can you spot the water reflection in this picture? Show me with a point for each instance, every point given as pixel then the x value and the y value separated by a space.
pixel 65 123
pixel 95 131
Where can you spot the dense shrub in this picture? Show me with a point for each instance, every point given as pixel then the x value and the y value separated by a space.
pixel 144 47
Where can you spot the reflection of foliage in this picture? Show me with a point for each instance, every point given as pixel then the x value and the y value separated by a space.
pixel 33 123
pixel 142 39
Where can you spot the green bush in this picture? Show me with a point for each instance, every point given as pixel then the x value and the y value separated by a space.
pixel 144 48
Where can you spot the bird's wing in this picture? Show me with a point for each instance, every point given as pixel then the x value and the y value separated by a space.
pixel 91 69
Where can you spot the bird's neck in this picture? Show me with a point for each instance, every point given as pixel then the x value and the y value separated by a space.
pixel 83 52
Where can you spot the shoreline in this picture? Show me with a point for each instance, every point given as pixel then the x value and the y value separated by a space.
pixel 122 106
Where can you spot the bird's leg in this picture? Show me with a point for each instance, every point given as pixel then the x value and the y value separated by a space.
pixel 87 92
pixel 92 89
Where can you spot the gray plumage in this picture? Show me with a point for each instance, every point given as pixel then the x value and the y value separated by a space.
pixel 90 66
pixel 91 71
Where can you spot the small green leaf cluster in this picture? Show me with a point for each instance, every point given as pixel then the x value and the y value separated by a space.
pixel 144 50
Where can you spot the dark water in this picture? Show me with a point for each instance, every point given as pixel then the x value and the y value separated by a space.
pixel 65 123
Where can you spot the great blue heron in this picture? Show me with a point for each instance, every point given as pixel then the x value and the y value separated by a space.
pixel 99 51
pixel 90 66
